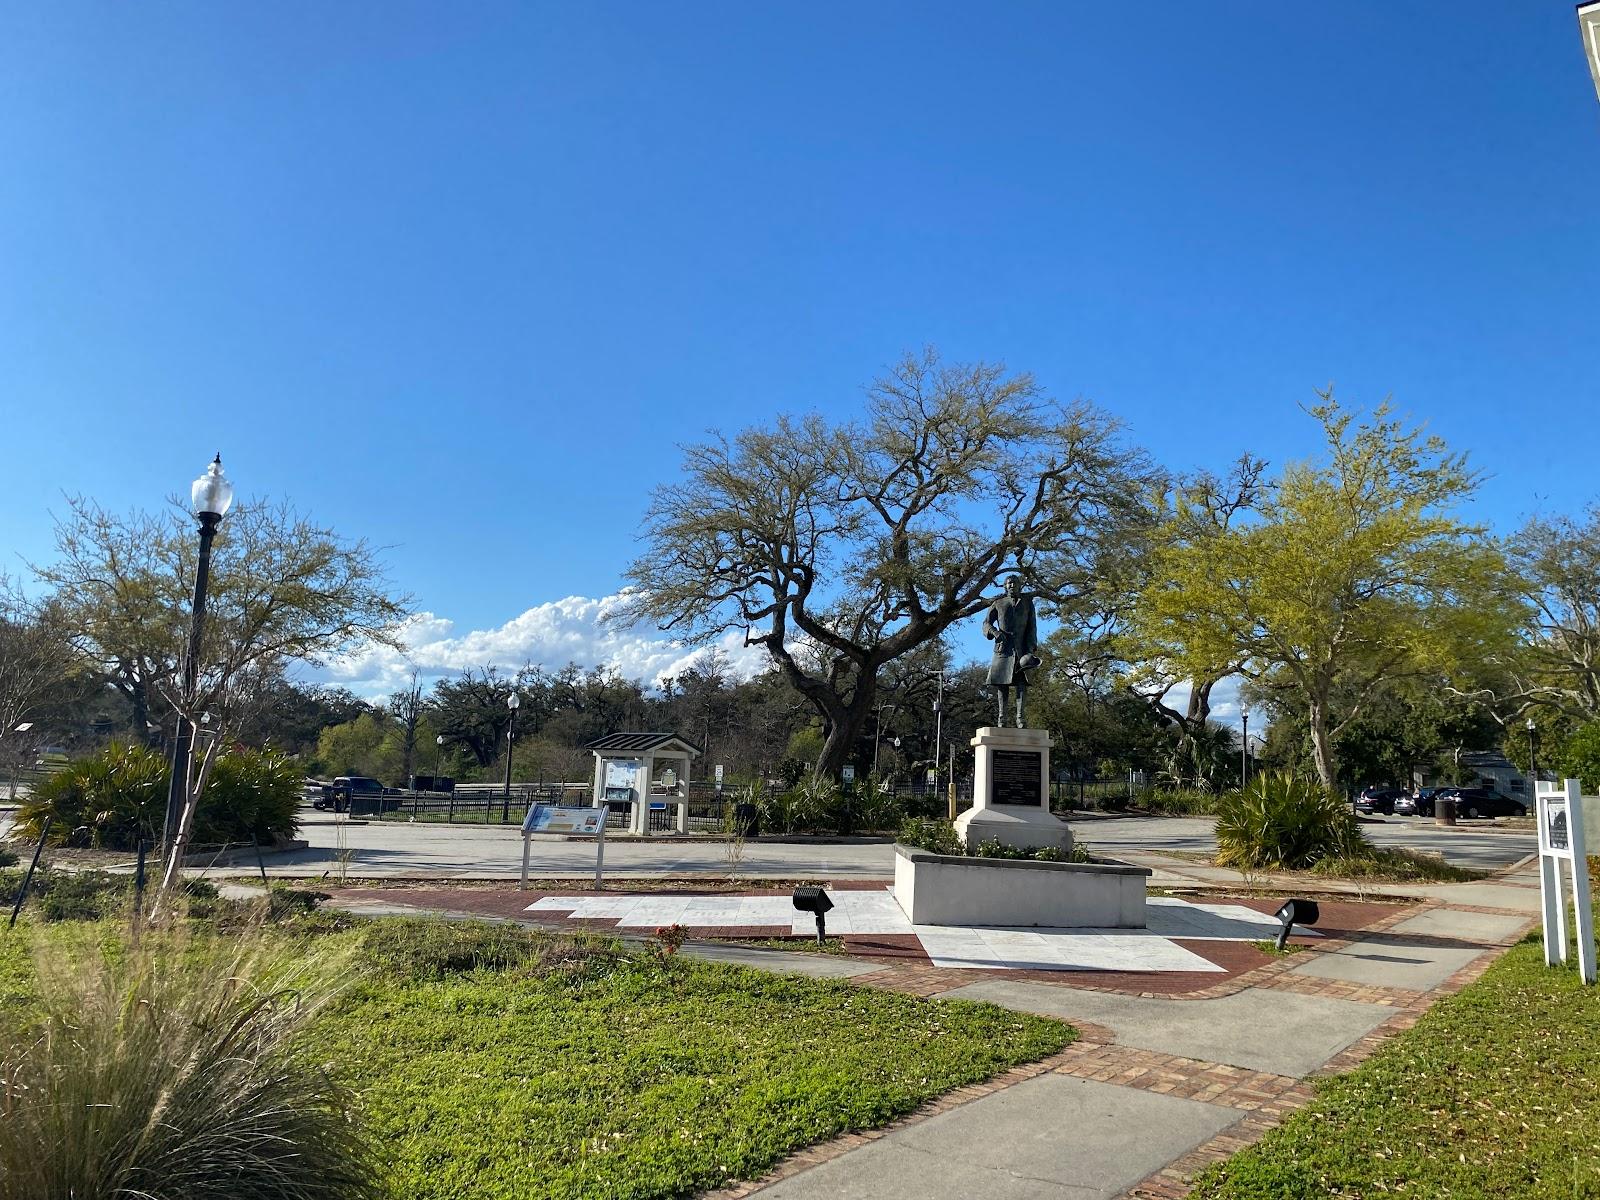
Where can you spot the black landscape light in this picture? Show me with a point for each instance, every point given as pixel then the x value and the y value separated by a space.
pixel 815 901
pixel 1296 912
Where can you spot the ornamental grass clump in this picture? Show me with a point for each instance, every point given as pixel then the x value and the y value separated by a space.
pixel 1285 824
pixel 175 1068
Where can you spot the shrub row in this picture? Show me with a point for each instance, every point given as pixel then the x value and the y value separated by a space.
pixel 112 799
pixel 940 837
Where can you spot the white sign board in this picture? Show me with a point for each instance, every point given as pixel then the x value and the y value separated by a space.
pixel 849 774
pixel 1561 841
pixel 623 772
pixel 553 818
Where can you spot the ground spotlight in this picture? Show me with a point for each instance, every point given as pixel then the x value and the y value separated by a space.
pixel 1293 912
pixel 815 901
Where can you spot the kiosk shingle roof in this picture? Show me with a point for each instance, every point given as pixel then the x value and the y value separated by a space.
pixel 640 742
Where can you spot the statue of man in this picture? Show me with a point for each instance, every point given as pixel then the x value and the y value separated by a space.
pixel 1011 625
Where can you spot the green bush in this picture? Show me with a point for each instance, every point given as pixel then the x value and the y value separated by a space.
pixel 57 895
pixel 1283 823
pixel 1182 803
pixel 1396 865
pixel 8 857
pixel 877 808
pixel 436 949
pixel 110 799
pixel 250 793
pixel 113 798
pixel 83 896
pixel 176 1068
pixel 940 837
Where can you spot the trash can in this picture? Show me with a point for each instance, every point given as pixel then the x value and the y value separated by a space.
pixel 1444 812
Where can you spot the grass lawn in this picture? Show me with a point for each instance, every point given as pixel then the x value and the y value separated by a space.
pixel 1495 1092
pixel 492 1062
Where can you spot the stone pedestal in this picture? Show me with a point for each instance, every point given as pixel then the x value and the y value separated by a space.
pixel 1011 792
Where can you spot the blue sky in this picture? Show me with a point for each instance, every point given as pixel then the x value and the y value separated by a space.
pixel 459 278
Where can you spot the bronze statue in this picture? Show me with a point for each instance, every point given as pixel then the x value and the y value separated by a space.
pixel 1011 625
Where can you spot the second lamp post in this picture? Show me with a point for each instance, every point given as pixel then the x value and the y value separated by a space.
pixel 513 702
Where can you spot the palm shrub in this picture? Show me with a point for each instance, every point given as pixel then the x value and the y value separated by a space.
pixel 251 793
pixel 113 797
pixel 176 1068
pixel 877 807
pixel 1283 823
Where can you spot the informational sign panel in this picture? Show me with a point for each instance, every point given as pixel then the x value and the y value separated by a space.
pixel 623 772
pixel 551 818
pixel 554 818
pixel 1561 853
pixel 849 774
pixel 1015 777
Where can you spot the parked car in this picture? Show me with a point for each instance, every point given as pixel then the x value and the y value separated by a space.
pixel 1379 799
pixel 357 793
pixel 1472 802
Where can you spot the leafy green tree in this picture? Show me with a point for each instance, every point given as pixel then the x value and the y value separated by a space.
pixel 838 549
pixel 1555 668
pixel 1579 756
pixel 1350 573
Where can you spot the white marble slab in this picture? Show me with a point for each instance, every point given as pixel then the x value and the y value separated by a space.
pixel 876 912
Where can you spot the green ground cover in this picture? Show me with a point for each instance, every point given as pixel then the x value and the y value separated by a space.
pixel 494 1062
pixel 1494 1093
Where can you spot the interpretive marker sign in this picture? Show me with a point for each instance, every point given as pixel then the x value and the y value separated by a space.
pixel 553 818
pixel 1560 811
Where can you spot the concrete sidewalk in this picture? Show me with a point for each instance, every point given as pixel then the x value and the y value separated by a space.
pixel 1158 1088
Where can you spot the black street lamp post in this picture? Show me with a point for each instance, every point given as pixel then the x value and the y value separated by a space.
pixel 1244 749
pixel 513 701
pixel 209 496
pixel 1533 767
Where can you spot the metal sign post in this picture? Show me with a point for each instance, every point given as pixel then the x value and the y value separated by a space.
pixel 1560 810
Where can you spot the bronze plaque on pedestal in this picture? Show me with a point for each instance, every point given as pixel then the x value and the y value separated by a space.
pixel 1015 777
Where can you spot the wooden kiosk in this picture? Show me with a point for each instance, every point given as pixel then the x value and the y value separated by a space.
pixel 645 770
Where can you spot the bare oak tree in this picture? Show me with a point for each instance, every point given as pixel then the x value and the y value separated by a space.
pixel 840 548
pixel 283 590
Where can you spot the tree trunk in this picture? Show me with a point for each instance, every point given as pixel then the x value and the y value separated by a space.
pixel 844 725
pixel 139 720
pixel 1322 745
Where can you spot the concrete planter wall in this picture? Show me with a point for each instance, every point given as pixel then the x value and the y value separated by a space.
pixel 939 889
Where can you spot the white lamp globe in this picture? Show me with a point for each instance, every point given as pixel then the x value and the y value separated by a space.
pixel 211 493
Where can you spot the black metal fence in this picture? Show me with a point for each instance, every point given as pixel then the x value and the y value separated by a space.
pixel 709 808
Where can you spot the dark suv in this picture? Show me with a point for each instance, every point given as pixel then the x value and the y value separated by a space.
pixel 1473 802
pixel 356 793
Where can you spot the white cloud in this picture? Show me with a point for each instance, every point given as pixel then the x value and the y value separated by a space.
pixel 548 635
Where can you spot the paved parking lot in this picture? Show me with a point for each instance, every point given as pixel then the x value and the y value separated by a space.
pixel 399 848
